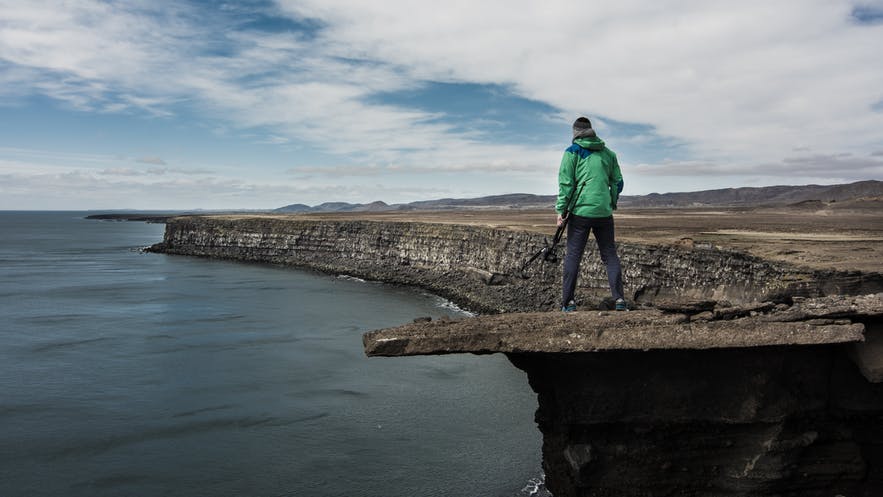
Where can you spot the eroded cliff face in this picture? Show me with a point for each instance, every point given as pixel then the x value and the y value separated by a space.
pixel 699 399
pixel 774 421
pixel 479 268
pixel 727 381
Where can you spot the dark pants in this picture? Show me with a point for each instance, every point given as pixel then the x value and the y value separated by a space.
pixel 577 235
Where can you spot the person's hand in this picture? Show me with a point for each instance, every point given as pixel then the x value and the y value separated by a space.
pixel 560 220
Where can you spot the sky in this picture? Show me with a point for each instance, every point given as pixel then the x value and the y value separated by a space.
pixel 257 104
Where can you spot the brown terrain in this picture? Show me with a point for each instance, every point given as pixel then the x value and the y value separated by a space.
pixel 821 235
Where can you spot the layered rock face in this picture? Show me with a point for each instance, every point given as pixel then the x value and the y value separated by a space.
pixel 796 421
pixel 480 268
pixel 752 400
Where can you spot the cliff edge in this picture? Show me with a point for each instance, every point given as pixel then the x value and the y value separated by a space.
pixel 692 398
pixel 684 326
pixel 479 267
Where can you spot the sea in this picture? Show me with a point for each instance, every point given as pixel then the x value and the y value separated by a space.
pixel 127 373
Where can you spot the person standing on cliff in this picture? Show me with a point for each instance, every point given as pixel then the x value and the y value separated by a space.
pixel 589 184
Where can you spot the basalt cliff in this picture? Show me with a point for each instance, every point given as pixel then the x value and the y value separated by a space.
pixel 733 376
pixel 480 268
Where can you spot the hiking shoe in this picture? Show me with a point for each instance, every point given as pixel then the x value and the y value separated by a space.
pixel 570 307
pixel 620 305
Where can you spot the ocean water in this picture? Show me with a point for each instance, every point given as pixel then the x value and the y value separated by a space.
pixel 125 373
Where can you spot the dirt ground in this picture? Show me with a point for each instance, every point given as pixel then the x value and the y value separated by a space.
pixel 848 235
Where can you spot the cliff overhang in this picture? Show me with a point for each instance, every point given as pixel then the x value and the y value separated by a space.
pixel 815 321
pixel 692 398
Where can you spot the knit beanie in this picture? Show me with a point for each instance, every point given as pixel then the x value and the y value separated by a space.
pixel 582 127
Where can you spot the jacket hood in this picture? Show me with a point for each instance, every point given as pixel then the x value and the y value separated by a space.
pixel 590 142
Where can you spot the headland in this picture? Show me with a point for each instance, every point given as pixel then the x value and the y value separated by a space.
pixel 750 367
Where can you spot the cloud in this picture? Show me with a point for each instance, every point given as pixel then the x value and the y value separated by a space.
pixel 737 90
pixel 151 160
pixel 274 140
pixel 126 171
pixel 34 159
pixel 734 81
pixel 121 171
pixel 117 189
pixel 843 167
pixel 502 166
pixel 104 57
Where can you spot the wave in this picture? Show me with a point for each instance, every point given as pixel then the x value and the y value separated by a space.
pixel 447 304
pixel 91 448
pixel 63 345
pixel 536 487
pixel 221 346
pixel 203 410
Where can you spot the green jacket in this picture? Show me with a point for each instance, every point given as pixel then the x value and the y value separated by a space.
pixel 589 168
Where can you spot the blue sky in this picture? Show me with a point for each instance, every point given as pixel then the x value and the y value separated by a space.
pixel 258 104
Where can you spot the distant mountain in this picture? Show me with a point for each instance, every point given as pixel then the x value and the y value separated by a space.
pixel 294 208
pixel 752 196
pixel 326 207
pixel 806 195
pixel 512 200
pixel 374 207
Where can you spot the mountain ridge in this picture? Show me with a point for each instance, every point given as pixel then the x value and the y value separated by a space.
pixel 781 195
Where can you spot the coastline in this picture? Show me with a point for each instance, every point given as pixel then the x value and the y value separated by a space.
pixel 478 267
pixel 730 336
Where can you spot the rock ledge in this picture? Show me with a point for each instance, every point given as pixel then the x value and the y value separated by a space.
pixel 825 320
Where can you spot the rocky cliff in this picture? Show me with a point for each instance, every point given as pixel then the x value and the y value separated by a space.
pixel 702 399
pixel 479 268
pixel 737 376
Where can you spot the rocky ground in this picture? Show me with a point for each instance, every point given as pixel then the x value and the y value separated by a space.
pixel 683 325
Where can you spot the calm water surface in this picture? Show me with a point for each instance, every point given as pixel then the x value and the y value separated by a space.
pixel 126 373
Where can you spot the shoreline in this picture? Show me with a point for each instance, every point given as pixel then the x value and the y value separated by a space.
pixel 477 266
pixel 841 236
pixel 719 370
